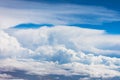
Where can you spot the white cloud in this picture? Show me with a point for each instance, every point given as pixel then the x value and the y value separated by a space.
pixel 60 49
pixel 63 50
pixel 78 39
pixel 10 47
pixel 25 12
pixel 5 76
pixel 8 77
pixel 44 68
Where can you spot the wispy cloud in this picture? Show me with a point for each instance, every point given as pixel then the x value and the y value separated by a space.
pixel 15 12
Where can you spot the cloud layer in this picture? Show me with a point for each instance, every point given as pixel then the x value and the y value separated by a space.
pixel 24 12
pixel 62 50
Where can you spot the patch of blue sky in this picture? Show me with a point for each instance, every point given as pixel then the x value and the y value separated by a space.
pixel 31 25
pixel 111 28
pixel 112 4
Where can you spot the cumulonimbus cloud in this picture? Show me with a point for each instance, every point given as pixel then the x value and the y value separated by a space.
pixel 79 39
pixel 63 50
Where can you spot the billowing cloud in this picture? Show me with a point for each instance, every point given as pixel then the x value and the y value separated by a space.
pixel 61 50
pixel 45 68
pixel 24 12
pixel 10 47
pixel 74 38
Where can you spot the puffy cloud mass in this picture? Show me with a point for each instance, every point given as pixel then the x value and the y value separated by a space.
pixel 74 38
pixel 9 46
pixel 63 50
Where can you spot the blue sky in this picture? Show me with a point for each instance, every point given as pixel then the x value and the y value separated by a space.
pixel 77 39
pixel 112 4
pixel 112 27
pixel 91 14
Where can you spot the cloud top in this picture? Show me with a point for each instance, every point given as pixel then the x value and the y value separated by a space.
pixel 62 50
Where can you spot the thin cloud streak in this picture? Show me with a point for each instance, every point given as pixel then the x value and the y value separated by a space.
pixel 17 12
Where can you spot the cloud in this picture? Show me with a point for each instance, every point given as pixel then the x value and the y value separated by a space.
pixel 5 76
pixel 10 47
pixel 78 39
pixel 61 50
pixel 45 68
pixel 24 12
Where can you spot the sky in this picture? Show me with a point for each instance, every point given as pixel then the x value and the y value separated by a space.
pixel 60 39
